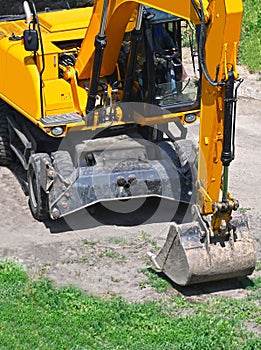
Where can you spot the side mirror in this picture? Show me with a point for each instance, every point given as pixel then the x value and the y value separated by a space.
pixel 30 35
pixel 31 42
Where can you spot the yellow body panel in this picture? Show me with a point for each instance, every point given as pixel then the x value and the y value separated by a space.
pixel 20 86
pixel 64 20
pixel 19 79
pixel 59 98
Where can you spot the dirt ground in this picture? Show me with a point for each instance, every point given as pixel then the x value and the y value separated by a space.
pixel 104 255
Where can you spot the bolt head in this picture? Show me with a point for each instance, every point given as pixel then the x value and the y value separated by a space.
pixel 56 213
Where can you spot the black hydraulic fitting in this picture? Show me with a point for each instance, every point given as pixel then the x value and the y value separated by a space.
pixel 100 44
pixel 128 84
pixel 228 135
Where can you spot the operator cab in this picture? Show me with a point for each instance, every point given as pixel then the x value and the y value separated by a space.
pixel 166 74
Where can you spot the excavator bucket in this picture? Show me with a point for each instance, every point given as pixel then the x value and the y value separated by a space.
pixel 186 258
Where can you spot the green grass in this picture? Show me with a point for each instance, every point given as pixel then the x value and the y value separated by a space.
pixel 35 315
pixel 155 280
pixel 250 45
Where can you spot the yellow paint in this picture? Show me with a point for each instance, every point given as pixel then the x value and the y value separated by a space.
pixel 64 20
pixel 58 96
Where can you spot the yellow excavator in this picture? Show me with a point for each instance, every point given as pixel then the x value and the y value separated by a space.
pixel 90 98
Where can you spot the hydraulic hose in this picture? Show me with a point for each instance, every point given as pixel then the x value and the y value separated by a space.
pixel 100 44
pixel 131 66
pixel 202 43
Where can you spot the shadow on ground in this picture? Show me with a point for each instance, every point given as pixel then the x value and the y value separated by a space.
pixel 209 287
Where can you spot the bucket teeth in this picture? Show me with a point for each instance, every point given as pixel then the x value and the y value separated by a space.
pixel 187 259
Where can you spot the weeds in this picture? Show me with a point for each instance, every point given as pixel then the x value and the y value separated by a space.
pixel 89 243
pixel 80 260
pixel 145 237
pixel 243 210
pixel 122 241
pixel 112 254
pixel 158 282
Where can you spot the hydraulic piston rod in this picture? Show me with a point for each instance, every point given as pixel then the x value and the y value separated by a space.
pixel 100 44
pixel 228 151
